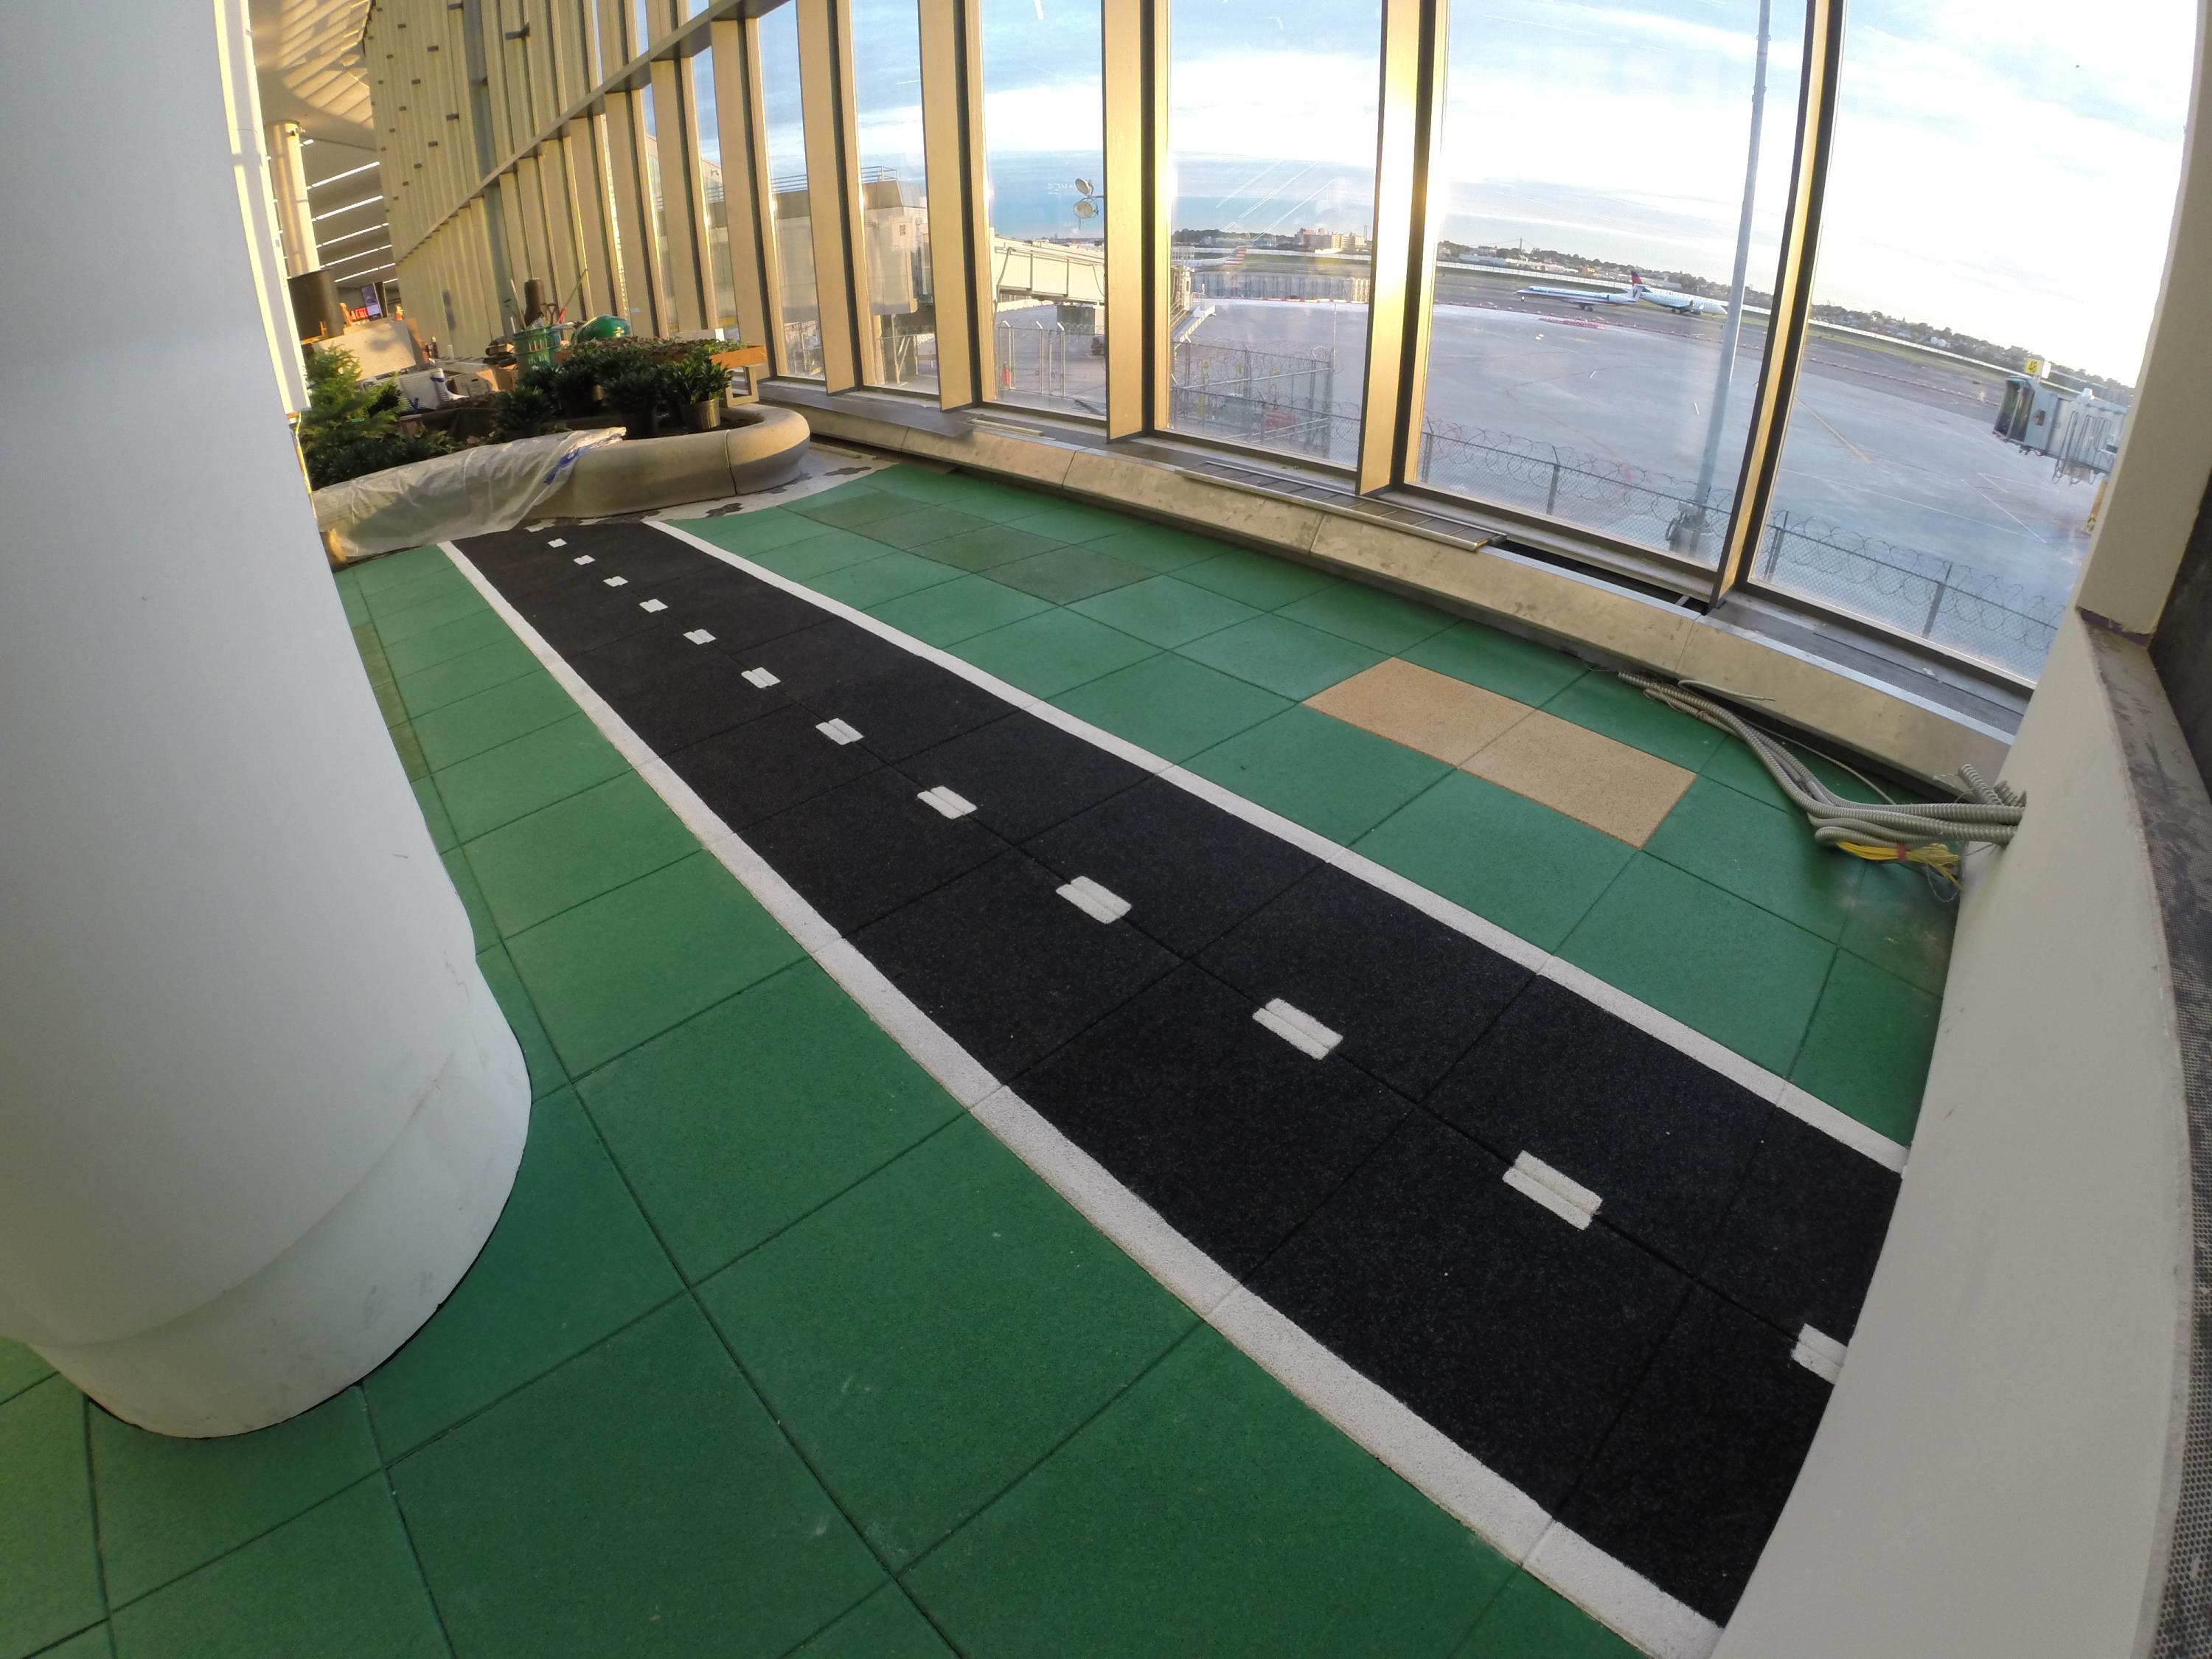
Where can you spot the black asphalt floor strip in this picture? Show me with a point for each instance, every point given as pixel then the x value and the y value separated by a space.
pixel 1629 1370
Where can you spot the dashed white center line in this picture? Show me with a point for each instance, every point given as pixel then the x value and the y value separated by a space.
pixel 617 581
pixel 1820 1354
pixel 700 636
pixel 558 541
pixel 837 731
pixel 760 678
pixel 653 604
pixel 1088 896
pixel 583 558
pixel 1564 1197
pixel 1298 1029
pixel 952 805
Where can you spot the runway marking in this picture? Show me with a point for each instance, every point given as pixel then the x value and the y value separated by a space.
pixel 617 581
pixel 653 604
pixel 1563 1196
pixel 583 558
pixel 952 805
pixel 760 678
pixel 1088 896
pixel 1820 1354
pixel 1839 436
pixel 700 636
pixel 838 732
pixel 560 541
pixel 1299 1028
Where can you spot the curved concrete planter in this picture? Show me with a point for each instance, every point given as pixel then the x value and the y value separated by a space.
pixel 753 449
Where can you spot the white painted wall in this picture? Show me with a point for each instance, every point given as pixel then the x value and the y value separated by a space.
pixel 257 1110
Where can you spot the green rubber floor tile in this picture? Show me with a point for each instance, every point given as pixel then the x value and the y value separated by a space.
pixel 885 1626
pixel 637 1502
pixel 988 548
pixel 1333 778
pixel 371 649
pixel 354 602
pixel 1071 523
pixel 434 814
pixel 932 1333
pixel 1054 652
pixel 1868 1050
pixel 1286 658
pixel 1897 923
pixel 1165 611
pixel 427 582
pixel 850 506
pixel 532 771
pixel 398 627
pixel 957 609
pixel 576 849
pixel 409 748
pixel 749 535
pixel 817 555
pixel 1720 964
pixel 890 577
pixel 1534 872
pixel 569 1261
pixel 982 498
pixel 169 1506
pixel 1733 763
pixel 464 676
pixel 1067 575
pixel 912 527
pixel 18 1368
pixel 546 1071
pixel 1208 1512
pixel 1387 622
pixel 482 927
pixel 1158 547
pixel 437 645
pixel 491 718
pixel 50 1583
pixel 389 569
pixel 1609 705
pixel 1528 1620
pixel 1172 706
pixel 629 964
pixel 1759 854
pixel 92 1643
pixel 1258 580
pixel 338 1583
pixel 389 702
pixel 742 1120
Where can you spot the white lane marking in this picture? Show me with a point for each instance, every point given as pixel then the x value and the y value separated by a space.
pixel 1820 1353
pixel 1088 896
pixel 617 581
pixel 1297 1028
pixel 1563 1196
pixel 761 677
pixel 952 805
pixel 1441 1470
pixel 653 604
pixel 700 636
pixel 558 541
pixel 583 558
pixel 838 732
pixel 1665 1027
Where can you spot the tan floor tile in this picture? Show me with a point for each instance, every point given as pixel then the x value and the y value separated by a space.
pixel 1572 769
pixel 1421 708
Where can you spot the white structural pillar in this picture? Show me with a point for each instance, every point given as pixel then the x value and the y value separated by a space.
pixel 258 1108
pixel 296 214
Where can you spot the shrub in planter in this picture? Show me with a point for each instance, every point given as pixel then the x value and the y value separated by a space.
pixel 525 412
pixel 353 457
pixel 641 391
pixel 698 382
pixel 350 427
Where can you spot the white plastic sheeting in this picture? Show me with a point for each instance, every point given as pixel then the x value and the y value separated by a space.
pixel 468 493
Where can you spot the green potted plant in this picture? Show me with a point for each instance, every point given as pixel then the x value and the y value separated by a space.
pixel 639 390
pixel 699 383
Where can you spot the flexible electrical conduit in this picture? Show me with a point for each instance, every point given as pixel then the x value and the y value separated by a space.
pixel 1991 815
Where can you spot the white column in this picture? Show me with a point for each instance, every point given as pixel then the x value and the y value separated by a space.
pixel 295 215
pixel 258 1108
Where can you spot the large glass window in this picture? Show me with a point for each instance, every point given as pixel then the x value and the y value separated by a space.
pixel 1044 139
pixel 656 203
pixel 901 308
pixel 1272 141
pixel 2000 191
pixel 722 303
pixel 1611 186
pixel 800 348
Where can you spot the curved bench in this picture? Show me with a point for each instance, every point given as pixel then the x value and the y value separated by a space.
pixel 754 448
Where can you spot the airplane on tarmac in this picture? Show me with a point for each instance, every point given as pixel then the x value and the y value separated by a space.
pixel 1638 291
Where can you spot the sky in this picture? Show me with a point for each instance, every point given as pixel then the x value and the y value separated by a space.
pixel 2003 167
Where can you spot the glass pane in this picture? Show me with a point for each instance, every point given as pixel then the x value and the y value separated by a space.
pixel 799 350
pixel 1964 377
pixel 656 213
pixel 724 297
pixel 894 191
pixel 1613 210
pixel 1045 143
pixel 1271 174
pixel 640 25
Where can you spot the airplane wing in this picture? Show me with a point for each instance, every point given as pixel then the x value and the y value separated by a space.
pixel 1581 296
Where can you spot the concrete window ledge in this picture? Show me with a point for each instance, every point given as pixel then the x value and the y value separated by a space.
pixel 2017 1460
pixel 1916 735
